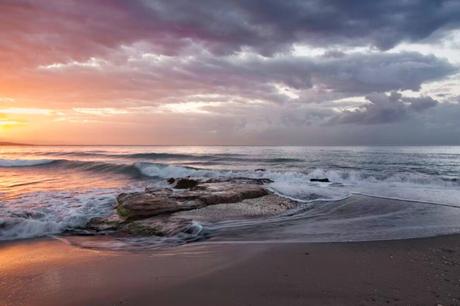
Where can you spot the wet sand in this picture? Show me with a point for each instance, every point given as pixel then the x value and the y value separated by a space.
pixel 416 271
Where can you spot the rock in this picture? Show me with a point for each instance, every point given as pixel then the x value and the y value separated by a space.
pixel 322 180
pixel 158 226
pixel 185 183
pixel 268 205
pixel 102 224
pixel 171 180
pixel 260 170
pixel 171 211
pixel 147 204
pixel 138 205
pixel 225 192
pixel 159 191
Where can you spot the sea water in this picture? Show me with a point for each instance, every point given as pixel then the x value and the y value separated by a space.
pixel 49 190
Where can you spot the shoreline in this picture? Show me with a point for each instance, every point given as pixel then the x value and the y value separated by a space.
pixel 410 271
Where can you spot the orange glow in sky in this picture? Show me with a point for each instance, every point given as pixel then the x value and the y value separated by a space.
pixel 149 72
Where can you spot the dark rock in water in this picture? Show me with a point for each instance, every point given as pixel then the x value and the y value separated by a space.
pixel 260 170
pixel 185 183
pixel 322 180
pixel 158 226
pixel 171 180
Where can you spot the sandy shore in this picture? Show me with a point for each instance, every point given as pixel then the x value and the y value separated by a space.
pixel 416 272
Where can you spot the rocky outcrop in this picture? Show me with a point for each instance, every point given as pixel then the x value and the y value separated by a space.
pixel 156 202
pixel 169 211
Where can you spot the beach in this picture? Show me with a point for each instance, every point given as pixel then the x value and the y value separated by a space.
pixel 229 226
pixel 401 272
pixel 216 153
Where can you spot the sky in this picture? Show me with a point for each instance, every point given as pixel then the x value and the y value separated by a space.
pixel 253 72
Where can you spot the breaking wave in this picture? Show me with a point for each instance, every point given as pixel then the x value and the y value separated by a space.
pixel 297 183
pixel 39 214
pixel 7 163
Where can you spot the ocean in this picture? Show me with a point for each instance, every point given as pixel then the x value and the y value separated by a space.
pixel 53 190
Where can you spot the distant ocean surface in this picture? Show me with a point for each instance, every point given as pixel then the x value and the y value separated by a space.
pixel 50 190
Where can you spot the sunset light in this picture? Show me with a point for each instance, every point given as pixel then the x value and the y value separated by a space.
pixel 255 71
pixel 229 153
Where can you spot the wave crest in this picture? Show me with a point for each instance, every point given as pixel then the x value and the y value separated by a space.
pixel 7 163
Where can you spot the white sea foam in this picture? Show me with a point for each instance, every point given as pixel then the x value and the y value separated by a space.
pixel 343 183
pixel 166 171
pixel 44 213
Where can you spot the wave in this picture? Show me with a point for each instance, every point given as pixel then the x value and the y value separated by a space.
pixel 137 169
pixel 142 155
pixel 336 176
pixel 220 157
pixel 7 163
pixel 128 155
pixel 45 213
pixel 293 182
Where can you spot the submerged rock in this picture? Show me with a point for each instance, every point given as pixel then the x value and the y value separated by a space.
pixel 322 180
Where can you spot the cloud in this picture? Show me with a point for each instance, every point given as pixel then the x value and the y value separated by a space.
pixel 153 52
pixel 78 30
pixel 144 80
pixel 383 108
pixel 260 71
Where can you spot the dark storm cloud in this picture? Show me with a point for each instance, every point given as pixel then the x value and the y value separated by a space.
pixel 384 108
pixel 270 25
pixel 63 29
pixel 37 33
pixel 348 75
